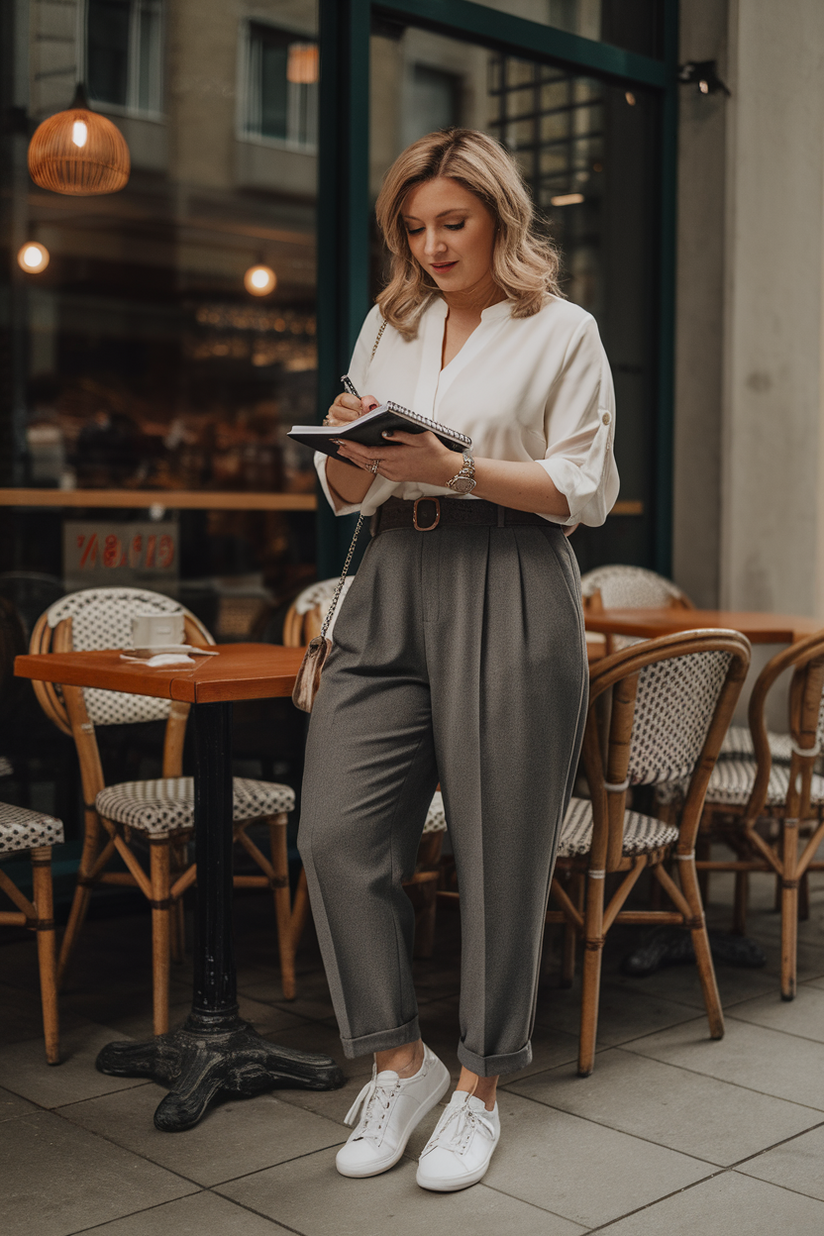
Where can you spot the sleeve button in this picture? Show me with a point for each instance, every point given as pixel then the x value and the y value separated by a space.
pixel 606 418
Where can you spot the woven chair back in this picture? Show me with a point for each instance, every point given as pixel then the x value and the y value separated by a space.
pixel 630 587
pixel 806 723
pixel 102 618
pixel 305 615
pixel 672 701
pixel 674 704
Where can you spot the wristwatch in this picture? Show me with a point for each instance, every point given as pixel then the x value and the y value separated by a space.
pixel 463 482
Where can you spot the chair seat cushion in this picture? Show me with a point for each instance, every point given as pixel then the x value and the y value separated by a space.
pixel 21 829
pixel 642 833
pixel 435 816
pixel 162 806
pixel 732 781
pixel 737 745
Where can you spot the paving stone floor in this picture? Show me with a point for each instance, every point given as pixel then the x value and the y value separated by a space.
pixel 671 1134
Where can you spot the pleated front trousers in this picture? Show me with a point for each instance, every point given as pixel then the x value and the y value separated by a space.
pixel 459 656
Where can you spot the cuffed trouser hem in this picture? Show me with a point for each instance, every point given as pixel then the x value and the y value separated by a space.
pixel 492 1066
pixel 382 1040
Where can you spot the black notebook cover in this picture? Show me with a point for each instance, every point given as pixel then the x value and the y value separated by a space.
pixel 368 430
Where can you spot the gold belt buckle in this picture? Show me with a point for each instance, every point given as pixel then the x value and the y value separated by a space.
pixel 427 527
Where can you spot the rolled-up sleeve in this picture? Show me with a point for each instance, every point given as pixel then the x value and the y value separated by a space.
pixel 579 427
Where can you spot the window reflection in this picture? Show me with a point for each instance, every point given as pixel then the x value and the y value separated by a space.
pixel 148 365
pixel 587 150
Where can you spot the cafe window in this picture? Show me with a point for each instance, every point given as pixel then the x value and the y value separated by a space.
pixel 282 87
pixel 124 61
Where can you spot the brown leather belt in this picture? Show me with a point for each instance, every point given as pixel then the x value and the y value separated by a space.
pixel 427 514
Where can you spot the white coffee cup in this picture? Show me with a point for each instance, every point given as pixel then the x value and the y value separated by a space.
pixel 157 630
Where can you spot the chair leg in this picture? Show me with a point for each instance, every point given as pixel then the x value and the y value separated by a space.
pixel 701 946
pixel 46 949
pixel 591 974
pixel 159 870
pixel 789 910
pixel 283 906
pixel 82 891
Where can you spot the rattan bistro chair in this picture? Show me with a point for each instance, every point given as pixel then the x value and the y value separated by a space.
pixel 303 622
pixel 672 699
pixel 771 815
pixel 32 832
pixel 158 814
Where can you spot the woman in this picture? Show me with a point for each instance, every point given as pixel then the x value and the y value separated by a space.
pixel 459 655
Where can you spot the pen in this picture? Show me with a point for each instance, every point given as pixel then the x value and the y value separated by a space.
pixel 349 386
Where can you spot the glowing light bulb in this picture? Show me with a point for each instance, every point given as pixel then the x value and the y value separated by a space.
pixel 33 257
pixel 567 199
pixel 80 133
pixel 260 280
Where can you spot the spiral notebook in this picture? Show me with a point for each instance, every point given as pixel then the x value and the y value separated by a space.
pixel 369 428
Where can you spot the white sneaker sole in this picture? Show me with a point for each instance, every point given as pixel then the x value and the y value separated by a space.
pixel 383 1165
pixel 452 1184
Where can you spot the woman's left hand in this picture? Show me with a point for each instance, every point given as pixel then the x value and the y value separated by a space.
pixel 407 457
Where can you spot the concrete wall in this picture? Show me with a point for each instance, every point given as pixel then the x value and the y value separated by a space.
pixel 772 547
pixel 749 522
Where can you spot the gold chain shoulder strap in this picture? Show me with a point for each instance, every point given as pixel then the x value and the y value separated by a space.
pixel 358 526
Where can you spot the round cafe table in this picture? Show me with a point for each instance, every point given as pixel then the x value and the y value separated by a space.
pixel 214 1050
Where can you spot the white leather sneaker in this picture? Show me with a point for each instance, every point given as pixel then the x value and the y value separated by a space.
pixel 458 1152
pixel 390 1107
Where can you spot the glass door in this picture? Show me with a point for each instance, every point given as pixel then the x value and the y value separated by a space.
pixel 587 150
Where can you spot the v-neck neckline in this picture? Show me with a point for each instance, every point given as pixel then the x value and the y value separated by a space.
pixel 434 381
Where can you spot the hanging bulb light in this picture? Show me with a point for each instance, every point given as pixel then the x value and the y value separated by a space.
pixel 260 280
pixel 302 66
pixel 79 152
pixel 33 257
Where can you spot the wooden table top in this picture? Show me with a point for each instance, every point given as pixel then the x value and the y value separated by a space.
pixel 239 672
pixel 759 628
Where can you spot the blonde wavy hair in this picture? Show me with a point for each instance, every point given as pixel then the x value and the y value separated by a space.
pixel 524 264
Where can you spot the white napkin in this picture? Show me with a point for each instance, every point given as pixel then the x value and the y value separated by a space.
pixel 162 658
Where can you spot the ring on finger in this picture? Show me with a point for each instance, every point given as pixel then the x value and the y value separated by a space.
pixel 374 467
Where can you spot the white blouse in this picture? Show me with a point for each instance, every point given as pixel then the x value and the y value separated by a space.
pixel 524 389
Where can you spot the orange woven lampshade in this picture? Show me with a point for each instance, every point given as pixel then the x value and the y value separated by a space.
pixel 79 152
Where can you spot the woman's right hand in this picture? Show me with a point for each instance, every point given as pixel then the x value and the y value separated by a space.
pixel 348 408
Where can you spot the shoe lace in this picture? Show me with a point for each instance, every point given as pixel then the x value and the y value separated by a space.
pixel 457 1126
pixel 374 1104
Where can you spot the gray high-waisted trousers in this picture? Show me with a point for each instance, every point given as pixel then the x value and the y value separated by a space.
pixel 459 656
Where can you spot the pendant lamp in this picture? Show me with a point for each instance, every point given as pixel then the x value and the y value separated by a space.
pixel 260 280
pixel 79 152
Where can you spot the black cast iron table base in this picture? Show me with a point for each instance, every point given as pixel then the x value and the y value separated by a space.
pixel 199 1064
pixel 215 1051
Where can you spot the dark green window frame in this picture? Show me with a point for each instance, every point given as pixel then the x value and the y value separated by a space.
pixel 343 194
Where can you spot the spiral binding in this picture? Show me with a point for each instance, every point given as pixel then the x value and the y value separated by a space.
pixel 443 430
